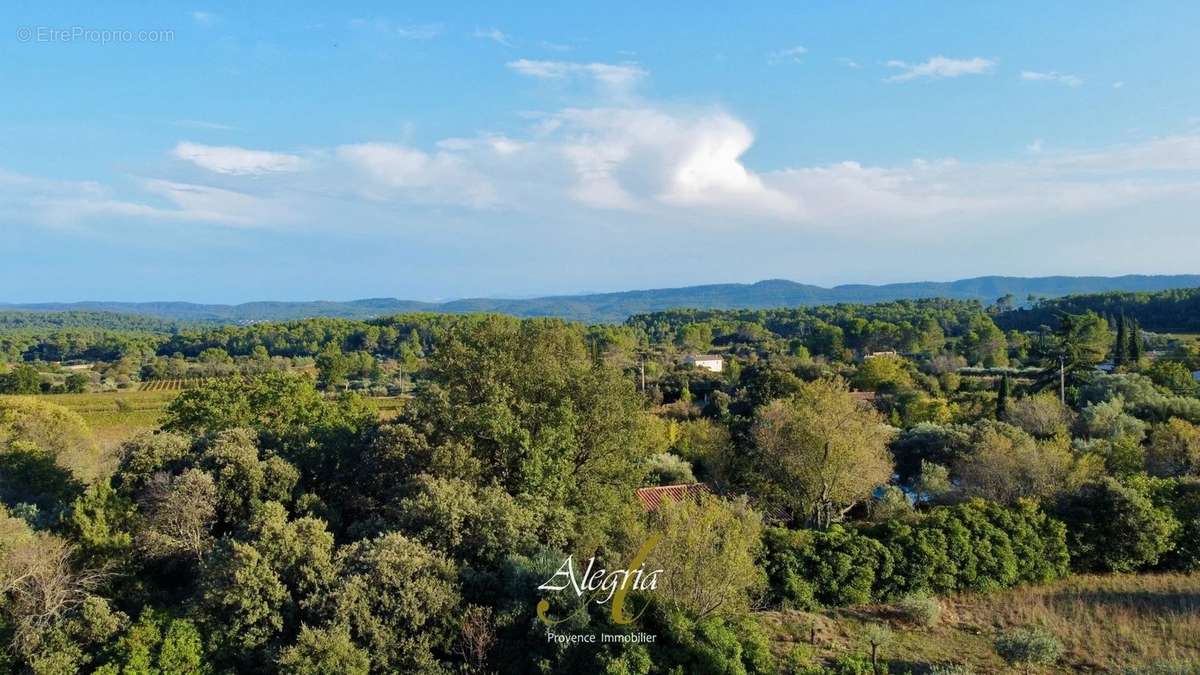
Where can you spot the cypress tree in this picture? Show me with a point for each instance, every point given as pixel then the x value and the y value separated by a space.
pixel 1121 343
pixel 1002 398
pixel 1135 343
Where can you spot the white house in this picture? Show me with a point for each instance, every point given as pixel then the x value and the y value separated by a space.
pixel 712 362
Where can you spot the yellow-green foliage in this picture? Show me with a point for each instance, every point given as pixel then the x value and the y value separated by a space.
pixel 52 429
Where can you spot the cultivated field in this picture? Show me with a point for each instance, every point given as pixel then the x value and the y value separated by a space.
pixel 117 415
pixel 178 384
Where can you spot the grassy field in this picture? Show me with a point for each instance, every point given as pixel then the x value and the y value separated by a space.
pixel 118 415
pixel 1105 623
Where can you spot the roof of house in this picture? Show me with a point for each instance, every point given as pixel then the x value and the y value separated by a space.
pixel 654 497
pixel 703 357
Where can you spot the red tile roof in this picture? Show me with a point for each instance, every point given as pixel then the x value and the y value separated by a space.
pixel 653 497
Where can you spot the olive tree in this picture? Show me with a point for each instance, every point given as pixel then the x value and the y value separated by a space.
pixel 821 451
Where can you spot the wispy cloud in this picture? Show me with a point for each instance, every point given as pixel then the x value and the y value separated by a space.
pixel 235 161
pixel 404 31
pixel 1052 76
pixel 788 55
pixel 848 62
pixel 494 34
pixel 204 18
pixel 940 67
pixel 615 75
pixel 1118 84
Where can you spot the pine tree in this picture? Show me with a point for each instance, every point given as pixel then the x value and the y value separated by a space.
pixel 1002 398
pixel 1135 343
pixel 1122 342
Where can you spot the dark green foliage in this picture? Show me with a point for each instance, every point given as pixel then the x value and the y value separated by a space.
pixel 1175 310
pixel 709 646
pixel 1114 528
pixel 928 442
pixel 974 546
pixel 836 567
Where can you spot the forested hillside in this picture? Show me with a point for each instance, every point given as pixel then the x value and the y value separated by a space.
pixel 1170 311
pixel 616 307
pixel 846 475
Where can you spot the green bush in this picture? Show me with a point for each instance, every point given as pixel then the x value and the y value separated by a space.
pixel 835 567
pixel 1114 528
pixel 973 546
pixel 1181 497
pixel 1028 647
pixel 978 545
pixel 921 609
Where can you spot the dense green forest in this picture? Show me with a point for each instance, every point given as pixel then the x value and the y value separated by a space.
pixel 22 322
pixel 616 307
pixel 891 454
pixel 1169 311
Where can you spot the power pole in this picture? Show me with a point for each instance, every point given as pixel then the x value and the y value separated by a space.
pixel 642 372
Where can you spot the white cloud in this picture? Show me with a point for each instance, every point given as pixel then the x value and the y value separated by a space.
pixel 494 34
pixel 848 62
pixel 401 172
pixel 386 27
pixel 940 67
pixel 237 161
pixel 620 76
pixel 1052 76
pixel 204 18
pixel 790 54
pixel 668 167
pixel 644 157
pixel 210 204
pixel 1118 84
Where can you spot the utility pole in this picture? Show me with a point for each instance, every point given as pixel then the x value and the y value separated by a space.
pixel 642 372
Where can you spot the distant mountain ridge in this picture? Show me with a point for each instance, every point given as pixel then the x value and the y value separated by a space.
pixel 616 306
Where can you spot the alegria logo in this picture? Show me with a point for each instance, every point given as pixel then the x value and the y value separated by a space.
pixel 616 583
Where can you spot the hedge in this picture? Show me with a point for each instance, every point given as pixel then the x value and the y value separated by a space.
pixel 977 545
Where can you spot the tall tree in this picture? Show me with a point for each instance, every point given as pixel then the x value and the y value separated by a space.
pixel 1122 342
pixel 821 451
pixel 1135 342
pixel 1077 345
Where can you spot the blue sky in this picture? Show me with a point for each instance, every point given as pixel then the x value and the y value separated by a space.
pixel 221 153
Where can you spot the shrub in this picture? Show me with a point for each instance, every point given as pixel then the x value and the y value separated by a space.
pixel 1028 647
pixel 921 609
pixel 1114 528
pixel 835 567
pixel 668 469
pixel 973 546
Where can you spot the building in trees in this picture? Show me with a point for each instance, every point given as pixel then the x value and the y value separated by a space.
pixel 712 362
